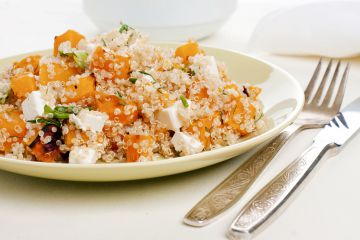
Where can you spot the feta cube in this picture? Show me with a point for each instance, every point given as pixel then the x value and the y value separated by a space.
pixel 186 143
pixel 212 66
pixel 174 116
pixel 83 155
pixel 89 120
pixel 4 90
pixel 33 106
pixel 147 78
pixel 86 46
pixel 207 66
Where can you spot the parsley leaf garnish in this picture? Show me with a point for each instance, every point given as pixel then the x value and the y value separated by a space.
pixel 133 80
pixel 50 121
pixel 59 112
pixel 79 57
pixel 124 27
pixel 145 73
pixel 184 101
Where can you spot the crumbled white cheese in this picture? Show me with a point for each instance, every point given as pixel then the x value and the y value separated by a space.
pixel 212 66
pixel 175 116
pixel 185 113
pixel 4 90
pixel 87 47
pixel 83 155
pixel 186 144
pixel 206 67
pixel 33 106
pixel 89 120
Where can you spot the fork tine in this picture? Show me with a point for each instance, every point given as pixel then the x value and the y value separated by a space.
pixel 311 84
pixel 341 91
pixel 320 89
pixel 330 90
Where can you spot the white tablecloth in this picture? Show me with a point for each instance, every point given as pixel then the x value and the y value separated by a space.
pixel 36 209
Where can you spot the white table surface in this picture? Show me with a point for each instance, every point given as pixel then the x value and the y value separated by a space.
pixel 36 209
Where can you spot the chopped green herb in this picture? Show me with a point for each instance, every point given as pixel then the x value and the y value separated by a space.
pixel 160 90
pixel 80 59
pixel 189 71
pixel 124 27
pixel 122 101
pixel 4 97
pixel 59 112
pixel 46 121
pixel 145 73
pixel 133 80
pixel 65 109
pixel 118 94
pixel 103 41
pixel 261 116
pixel 184 101
pixel 62 54
pixel 129 39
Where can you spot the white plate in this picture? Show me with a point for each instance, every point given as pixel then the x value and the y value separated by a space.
pixel 282 97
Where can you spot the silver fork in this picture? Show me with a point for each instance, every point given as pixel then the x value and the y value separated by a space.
pixel 317 112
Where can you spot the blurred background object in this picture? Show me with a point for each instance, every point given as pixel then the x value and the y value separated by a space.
pixel 327 28
pixel 163 20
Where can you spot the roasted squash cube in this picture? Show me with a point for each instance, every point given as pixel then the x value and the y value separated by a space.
pixel 202 129
pixel 85 88
pixel 13 123
pixel 22 84
pixel 237 118
pixel 81 137
pixel 28 64
pixel 109 65
pixel 137 146
pixel 118 110
pixel 187 50
pixel 57 72
pixel 70 35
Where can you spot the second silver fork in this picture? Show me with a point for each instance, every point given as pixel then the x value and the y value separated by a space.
pixel 316 113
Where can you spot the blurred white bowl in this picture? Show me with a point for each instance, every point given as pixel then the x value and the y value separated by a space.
pixel 163 20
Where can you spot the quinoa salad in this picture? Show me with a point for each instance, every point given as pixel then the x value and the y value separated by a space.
pixel 119 98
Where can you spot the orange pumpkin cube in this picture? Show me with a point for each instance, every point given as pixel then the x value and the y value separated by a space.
pixel 84 89
pixel 186 50
pixel 236 118
pixel 70 35
pixel 119 110
pixel 81 136
pixel 28 64
pixel 254 92
pixel 199 94
pixel 137 146
pixel 56 72
pixel 22 84
pixel 13 123
pixel 202 128
pixel 114 66
pixel 6 146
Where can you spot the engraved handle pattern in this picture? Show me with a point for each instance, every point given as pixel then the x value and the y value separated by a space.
pixel 234 186
pixel 275 193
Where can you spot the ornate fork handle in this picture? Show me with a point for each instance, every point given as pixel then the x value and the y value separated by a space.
pixel 233 187
pixel 275 193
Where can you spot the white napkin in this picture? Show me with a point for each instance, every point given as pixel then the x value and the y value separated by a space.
pixel 324 28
